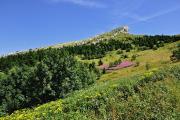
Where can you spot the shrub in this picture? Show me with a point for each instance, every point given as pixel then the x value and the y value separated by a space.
pixel 176 54
pixel 112 64
pixel 124 56
pixel 137 64
pixel 128 50
pixel 155 47
pixel 119 52
pixel 100 62
pixel 147 66
pixel 133 57
pixel 104 71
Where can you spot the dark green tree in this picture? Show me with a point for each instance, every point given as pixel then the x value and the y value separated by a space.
pixel 100 62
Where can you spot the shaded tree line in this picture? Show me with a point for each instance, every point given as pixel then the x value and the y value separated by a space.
pixel 153 42
pixel 98 50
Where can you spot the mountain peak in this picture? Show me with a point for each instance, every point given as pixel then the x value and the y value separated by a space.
pixel 122 29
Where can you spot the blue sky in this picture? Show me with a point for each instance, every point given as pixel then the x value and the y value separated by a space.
pixel 26 24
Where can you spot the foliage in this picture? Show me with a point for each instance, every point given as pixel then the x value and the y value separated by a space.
pixel 54 77
pixel 128 50
pixel 112 64
pixel 155 47
pixel 100 62
pixel 120 52
pixel 133 57
pixel 137 64
pixel 104 70
pixel 147 66
pixel 138 97
pixel 176 54
pixel 124 56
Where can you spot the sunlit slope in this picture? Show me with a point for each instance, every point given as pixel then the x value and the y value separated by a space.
pixel 155 58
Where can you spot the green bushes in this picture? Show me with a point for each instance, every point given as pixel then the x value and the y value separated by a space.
pixel 139 97
pixel 119 52
pixel 155 47
pixel 145 98
pixel 100 62
pixel 52 78
pixel 114 63
pixel 133 57
pixel 147 66
pixel 137 63
pixel 176 54
pixel 124 56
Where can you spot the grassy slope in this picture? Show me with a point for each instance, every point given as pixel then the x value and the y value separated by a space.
pixel 123 77
pixel 156 58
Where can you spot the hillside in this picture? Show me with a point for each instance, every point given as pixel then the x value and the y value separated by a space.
pixel 115 75
pixel 152 95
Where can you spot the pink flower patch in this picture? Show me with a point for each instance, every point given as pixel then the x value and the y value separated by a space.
pixel 125 64
pixel 104 66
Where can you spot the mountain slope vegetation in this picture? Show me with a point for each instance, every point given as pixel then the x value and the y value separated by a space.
pixel 82 81
pixel 152 95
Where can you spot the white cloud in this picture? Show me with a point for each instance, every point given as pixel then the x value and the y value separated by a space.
pixel 139 18
pixel 86 3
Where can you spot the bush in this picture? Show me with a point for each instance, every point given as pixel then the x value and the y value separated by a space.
pixel 124 56
pixel 133 57
pixel 147 66
pixel 176 54
pixel 137 64
pixel 155 47
pixel 100 62
pixel 104 71
pixel 112 64
pixel 128 50
pixel 119 52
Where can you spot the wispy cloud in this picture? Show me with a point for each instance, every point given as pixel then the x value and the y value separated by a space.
pixel 86 3
pixel 139 18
